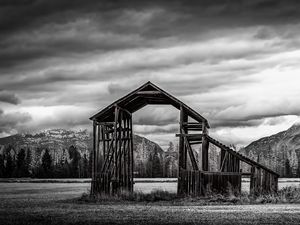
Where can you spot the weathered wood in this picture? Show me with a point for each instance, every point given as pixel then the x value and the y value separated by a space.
pixel 112 165
pixel 198 183
pixel 205 146
pixel 191 154
pixel 131 155
pixel 182 157
pixel 93 183
pixel 149 93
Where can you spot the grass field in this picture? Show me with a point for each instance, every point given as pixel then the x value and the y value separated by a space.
pixel 55 203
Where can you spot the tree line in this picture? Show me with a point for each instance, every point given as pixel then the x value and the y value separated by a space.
pixel 42 163
pixel 22 164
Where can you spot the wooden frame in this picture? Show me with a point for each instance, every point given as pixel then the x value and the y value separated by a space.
pixel 113 166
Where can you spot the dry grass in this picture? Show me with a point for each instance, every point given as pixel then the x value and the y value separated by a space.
pixel 286 195
pixel 51 204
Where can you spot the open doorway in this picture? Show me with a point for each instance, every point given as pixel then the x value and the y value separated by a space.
pixel 155 148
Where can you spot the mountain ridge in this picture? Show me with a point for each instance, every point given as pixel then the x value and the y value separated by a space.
pixel 59 142
pixel 280 152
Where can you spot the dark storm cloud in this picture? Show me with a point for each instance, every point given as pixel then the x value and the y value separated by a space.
pixel 181 20
pixel 62 53
pixel 8 97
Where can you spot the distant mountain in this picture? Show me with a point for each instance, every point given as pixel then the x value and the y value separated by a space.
pixel 58 142
pixel 280 152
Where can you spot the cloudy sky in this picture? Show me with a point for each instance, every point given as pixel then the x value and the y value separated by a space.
pixel 235 62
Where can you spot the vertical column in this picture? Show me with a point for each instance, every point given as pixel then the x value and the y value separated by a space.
pixel 182 147
pixel 98 153
pixel 275 183
pixel 131 163
pixel 182 158
pixel 205 146
pixel 120 177
pixel 128 166
pixel 93 159
pixel 115 140
pixel 252 181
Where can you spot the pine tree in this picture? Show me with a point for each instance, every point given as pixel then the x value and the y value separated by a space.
pixel 90 164
pixel 75 160
pixel 28 165
pixel 21 165
pixel 171 147
pixel 10 166
pixel 156 165
pixel 85 166
pixel 2 167
pixel 47 164
pixel 287 168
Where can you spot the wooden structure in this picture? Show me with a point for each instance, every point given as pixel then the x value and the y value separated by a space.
pixel 113 163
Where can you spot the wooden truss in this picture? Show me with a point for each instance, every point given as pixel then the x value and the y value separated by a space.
pixel 113 154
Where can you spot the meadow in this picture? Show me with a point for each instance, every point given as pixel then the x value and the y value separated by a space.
pixel 57 203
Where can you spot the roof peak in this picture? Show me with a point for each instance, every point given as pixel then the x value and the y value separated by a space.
pixel 148 93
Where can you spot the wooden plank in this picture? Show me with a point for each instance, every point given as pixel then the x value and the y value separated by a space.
pixel 149 93
pixel 195 142
pixel 223 158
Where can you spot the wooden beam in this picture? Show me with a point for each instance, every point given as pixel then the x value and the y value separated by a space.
pixel 223 161
pixel 191 154
pixel 205 146
pixel 240 156
pixel 195 142
pixel 149 93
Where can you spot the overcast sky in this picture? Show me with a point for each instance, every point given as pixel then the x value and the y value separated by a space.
pixel 235 62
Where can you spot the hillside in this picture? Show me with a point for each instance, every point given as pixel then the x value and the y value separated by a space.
pixel 280 152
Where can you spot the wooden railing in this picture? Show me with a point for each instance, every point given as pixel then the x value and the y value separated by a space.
pixel 200 183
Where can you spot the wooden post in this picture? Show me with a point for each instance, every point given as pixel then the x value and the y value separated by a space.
pixel 115 141
pixel 205 146
pixel 119 150
pixel 131 163
pixel 182 154
pixel 252 181
pixel 93 159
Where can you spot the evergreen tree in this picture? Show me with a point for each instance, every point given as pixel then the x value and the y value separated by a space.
pixel 171 147
pixel 75 159
pixel 28 165
pixel 288 172
pixel 2 167
pixel 149 165
pixel 47 164
pixel 298 169
pixel 21 165
pixel 156 165
pixel 66 169
pixel 10 165
pixel 90 164
pixel 85 167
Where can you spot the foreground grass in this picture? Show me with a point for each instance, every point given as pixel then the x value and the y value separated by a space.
pixel 286 195
pixel 61 204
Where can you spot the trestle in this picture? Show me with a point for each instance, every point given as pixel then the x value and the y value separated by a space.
pixel 113 154
pixel 112 170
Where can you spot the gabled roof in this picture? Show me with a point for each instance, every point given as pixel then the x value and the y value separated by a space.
pixel 147 94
